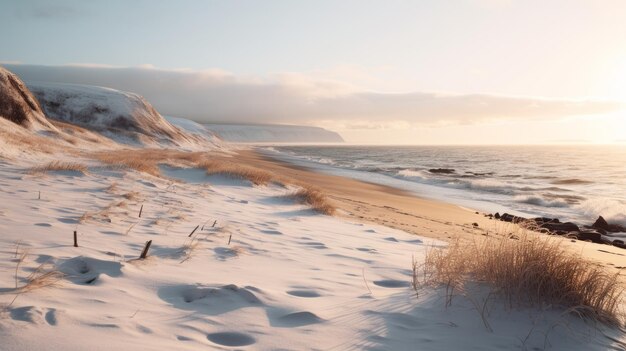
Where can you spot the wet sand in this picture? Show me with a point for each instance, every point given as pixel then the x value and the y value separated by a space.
pixel 395 208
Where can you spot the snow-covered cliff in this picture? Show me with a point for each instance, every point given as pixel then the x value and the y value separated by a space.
pixel 247 133
pixel 122 116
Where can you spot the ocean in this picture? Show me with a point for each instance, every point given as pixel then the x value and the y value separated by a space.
pixel 573 183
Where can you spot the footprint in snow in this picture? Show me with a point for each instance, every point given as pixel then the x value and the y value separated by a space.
pixel 304 293
pixel 271 232
pixel 34 315
pixel 296 319
pixel 390 283
pixel 232 339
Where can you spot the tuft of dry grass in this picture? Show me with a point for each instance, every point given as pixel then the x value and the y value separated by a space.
pixel 231 169
pixel 131 196
pixel 189 248
pixel 103 215
pixel 315 198
pixel 111 189
pixel 59 166
pixel 42 276
pixel 148 160
pixel 530 270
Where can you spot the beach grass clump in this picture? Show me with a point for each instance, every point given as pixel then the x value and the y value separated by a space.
pixel 528 270
pixel 148 160
pixel 255 175
pixel 315 198
pixel 103 214
pixel 132 196
pixel 40 277
pixel 60 166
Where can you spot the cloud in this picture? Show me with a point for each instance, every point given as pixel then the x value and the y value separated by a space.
pixel 220 96
pixel 46 10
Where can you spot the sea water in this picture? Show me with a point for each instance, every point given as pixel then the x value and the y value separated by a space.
pixel 574 183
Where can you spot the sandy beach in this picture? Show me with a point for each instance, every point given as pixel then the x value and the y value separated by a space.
pixel 233 265
pixel 121 228
pixel 396 208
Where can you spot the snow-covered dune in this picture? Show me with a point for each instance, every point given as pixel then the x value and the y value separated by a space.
pixel 231 266
pixel 123 116
pixel 195 129
pixel 267 133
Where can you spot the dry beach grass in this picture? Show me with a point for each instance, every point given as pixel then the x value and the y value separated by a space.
pixel 60 166
pixel 148 161
pixel 238 171
pixel 526 269
pixel 315 198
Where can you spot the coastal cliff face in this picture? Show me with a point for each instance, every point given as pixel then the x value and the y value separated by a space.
pixel 116 114
pixel 18 105
pixel 44 115
pixel 247 133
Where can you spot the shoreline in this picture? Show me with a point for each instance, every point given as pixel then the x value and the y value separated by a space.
pixel 399 209
pixel 380 204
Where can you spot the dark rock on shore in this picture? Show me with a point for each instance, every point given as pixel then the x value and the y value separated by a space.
pixel 542 220
pixel 565 227
pixel 602 224
pixel 553 226
pixel 511 218
pixel 592 236
pixel 442 170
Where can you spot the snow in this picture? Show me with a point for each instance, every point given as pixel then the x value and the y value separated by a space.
pixel 122 116
pixel 270 274
pixel 267 133
pixel 192 127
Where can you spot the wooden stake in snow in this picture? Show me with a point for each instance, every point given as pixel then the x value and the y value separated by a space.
pixel 214 223
pixel 193 231
pixel 75 239
pixel 144 253
pixel 39 197
pixel 140 210
pixel 229 237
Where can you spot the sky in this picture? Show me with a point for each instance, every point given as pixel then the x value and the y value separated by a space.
pixel 377 72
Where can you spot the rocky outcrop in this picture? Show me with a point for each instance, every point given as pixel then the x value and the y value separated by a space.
pixel 594 233
pixel 602 225
pixel 18 105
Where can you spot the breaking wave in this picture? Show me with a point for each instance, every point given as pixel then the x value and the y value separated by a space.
pixel 540 201
pixel 612 210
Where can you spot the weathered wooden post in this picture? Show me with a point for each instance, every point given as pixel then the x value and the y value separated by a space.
pixel 75 239
pixel 144 253
pixel 193 231
pixel 140 210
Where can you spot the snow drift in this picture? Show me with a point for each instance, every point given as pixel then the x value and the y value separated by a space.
pixel 247 133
